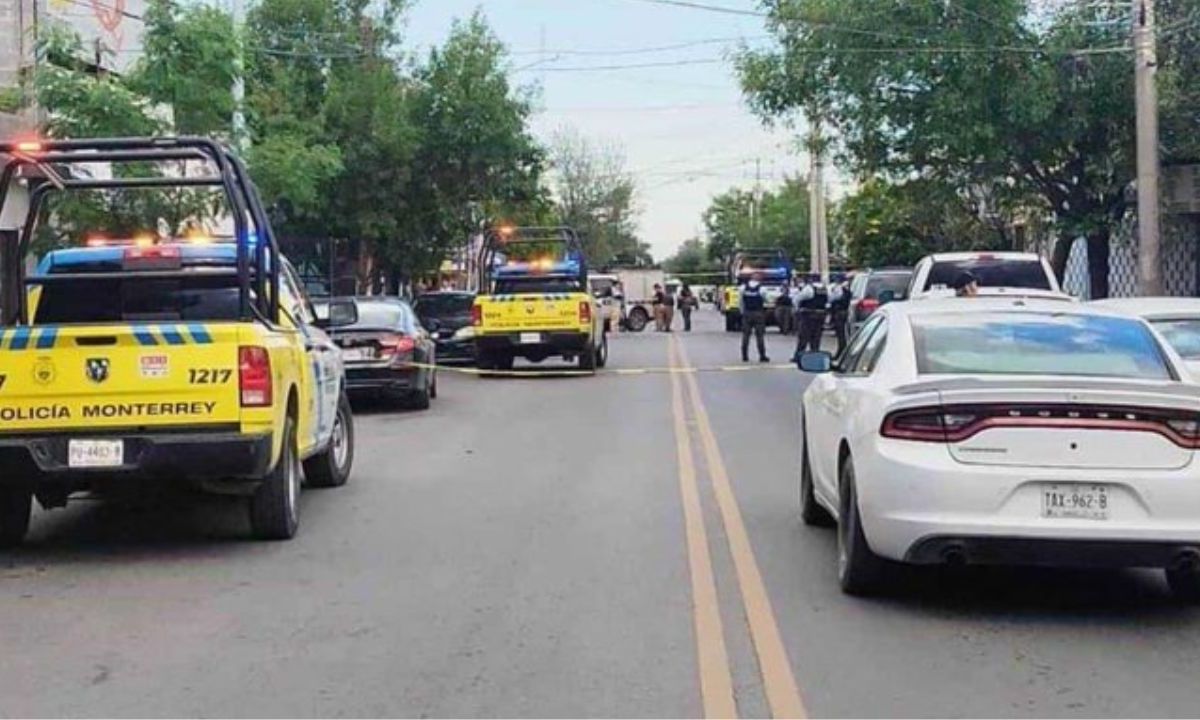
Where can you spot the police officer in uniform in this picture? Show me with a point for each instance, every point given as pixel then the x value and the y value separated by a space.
pixel 811 305
pixel 839 308
pixel 753 304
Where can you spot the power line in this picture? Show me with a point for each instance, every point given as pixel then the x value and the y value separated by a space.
pixel 687 4
pixel 634 66
pixel 641 50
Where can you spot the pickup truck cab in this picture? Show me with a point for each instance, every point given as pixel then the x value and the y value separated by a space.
pixel 155 361
pixel 998 273
pixel 537 306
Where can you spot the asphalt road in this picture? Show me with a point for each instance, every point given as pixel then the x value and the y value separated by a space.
pixel 623 545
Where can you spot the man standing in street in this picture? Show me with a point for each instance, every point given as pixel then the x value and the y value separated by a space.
pixel 687 303
pixel 839 308
pixel 668 309
pixel 658 302
pixel 753 304
pixel 784 317
pixel 810 307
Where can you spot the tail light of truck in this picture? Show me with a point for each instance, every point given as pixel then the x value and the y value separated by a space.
pixel 254 376
pixel 476 315
pixel 585 311
pixel 868 305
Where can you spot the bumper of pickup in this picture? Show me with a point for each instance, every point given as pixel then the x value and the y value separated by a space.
pixel 187 456
pixel 534 343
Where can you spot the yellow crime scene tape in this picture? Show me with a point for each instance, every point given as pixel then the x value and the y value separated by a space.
pixel 535 373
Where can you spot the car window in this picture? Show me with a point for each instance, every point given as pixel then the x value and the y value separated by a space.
pixel 872 349
pixel 896 282
pixel 849 358
pixel 131 299
pixel 991 272
pixel 295 302
pixel 1184 336
pixel 377 315
pixel 1037 344
pixel 444 306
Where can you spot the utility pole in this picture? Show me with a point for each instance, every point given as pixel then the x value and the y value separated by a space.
pixel 1145 66
pixel 756 207
pixel 818 240
pixel 241 139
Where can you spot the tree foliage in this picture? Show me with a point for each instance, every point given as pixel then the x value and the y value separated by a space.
pixel 596 195
pixel 777 219
pixel 1034 106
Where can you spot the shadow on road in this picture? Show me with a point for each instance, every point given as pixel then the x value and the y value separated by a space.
pixel 1046 595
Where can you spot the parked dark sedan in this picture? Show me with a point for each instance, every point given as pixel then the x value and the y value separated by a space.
pixel 447 316
pixel 387 352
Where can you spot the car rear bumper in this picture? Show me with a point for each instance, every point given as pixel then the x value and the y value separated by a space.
pixel 915 503
pixel 452 350
pixel 385 379
pixel 184 455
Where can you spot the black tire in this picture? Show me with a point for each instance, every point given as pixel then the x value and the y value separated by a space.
pixel 331 468
pixel 419 399
pixel 638 319
pixel 587 358
pixel 16 507
pixel 485 359
pixel 275 506
pixel 811 511
pixel 433 385
pixel 602 351
pixel 503 361
pixel 1185 584
pixel 860 571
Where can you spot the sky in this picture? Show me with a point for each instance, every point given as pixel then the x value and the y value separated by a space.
pixel 685 130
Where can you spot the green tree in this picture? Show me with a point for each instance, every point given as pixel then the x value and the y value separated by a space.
pixel 596 196
pixel 692 258
pixel 1003 94
pixel 477 159
pixel 773 219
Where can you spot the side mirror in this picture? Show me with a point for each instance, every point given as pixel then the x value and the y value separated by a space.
pixel 432 324
pixel 887 296
pixel 815 362
pixel 341 313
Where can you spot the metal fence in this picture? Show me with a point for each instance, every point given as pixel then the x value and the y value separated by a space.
pixel 1181 237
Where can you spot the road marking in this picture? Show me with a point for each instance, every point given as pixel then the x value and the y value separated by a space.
pixel 565 372
pixel 716 682
pixel 782 693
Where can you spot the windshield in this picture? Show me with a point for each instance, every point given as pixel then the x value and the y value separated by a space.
pixel 379 316
pixel 1184 336
pixel 517 286
pixel 440 306
pixel 896 282
pixel 108 300
pixel 1037 344
pixel 996 272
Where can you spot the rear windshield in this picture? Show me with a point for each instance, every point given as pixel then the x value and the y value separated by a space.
pixel 130 299
pixel 996 272
pixel 438 306
pixel 1184 336
pixel 896 282
pixel 380 316
pixel 515 286
pixel 1037 344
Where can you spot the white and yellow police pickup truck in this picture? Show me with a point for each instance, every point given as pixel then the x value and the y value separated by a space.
pixel 155 361
pixel 535 302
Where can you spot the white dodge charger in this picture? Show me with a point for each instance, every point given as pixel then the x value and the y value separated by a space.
pixel 1003 431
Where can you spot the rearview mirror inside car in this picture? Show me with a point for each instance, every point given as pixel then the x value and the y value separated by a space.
pixel 815 362
pixel 341 313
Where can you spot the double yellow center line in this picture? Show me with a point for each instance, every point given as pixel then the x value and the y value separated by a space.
pixel 716 684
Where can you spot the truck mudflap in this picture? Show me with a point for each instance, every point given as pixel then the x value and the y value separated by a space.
pixel 188 454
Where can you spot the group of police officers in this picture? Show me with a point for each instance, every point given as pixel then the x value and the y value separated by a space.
pixel 802 306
